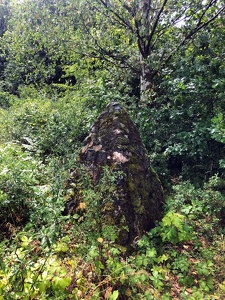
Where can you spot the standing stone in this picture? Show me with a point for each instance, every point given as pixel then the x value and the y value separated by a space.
pixel 115 142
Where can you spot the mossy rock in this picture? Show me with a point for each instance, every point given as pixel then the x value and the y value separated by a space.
pixel 115 142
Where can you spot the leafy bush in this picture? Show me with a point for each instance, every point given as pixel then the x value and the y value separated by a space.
pixel 19 178
pixel 25 198
pixel 61 257
pixel 218 133
pixel 45 275
pixel 218 128
pixel 203 207
pixel 173 228
pixel 183 146
pixel 6 99
pixel 46 125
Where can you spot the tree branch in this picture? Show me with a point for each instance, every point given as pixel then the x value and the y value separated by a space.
pixel 123 22
pixel 155 26
pixel 198 27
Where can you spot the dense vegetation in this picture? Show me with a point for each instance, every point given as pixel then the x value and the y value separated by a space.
pixel 61 62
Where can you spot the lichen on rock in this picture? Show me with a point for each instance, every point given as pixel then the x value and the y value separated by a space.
pixel 114 141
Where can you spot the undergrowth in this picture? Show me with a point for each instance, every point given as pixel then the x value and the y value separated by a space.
pixel 45 254
pixel 76 257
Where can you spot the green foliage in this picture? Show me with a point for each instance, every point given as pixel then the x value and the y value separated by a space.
pixel 47 255
pixel 18 181
pixel 90 222
pixel 190 94
pixel 184 145
pixel 218 133
pixel 203 207
pixel 6 99
pixel 45 125
pixel 78 257
pixel 37 277
pixel 36 41
pixel 173 228
pixel 218 130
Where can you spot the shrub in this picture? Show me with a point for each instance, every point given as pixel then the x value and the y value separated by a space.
pixel 18 181
pixel 47 125
pixel 203 207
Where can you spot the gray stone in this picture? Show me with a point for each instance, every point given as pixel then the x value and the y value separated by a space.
pixel 115 142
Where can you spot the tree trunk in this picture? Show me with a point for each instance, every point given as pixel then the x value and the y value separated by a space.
pixel 146 81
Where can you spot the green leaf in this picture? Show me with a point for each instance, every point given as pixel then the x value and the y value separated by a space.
pixel 61 247
pixel 43 285
pixel 60 283
pixel 151 253
pixel 114 295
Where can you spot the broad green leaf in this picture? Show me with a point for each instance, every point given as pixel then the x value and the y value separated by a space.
pixel 61 283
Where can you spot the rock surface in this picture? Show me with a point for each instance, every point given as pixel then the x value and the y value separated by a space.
pixel 115 142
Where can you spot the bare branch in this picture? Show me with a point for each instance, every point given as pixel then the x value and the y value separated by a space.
pixel 122 22
pixel 155 26
pixel 144 42
pixel 210 4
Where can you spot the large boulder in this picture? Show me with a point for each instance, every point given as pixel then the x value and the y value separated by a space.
pixel 114 141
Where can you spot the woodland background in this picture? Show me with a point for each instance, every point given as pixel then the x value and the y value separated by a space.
pixel 61 63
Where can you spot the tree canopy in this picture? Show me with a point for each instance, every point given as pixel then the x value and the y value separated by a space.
pixel 158 30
